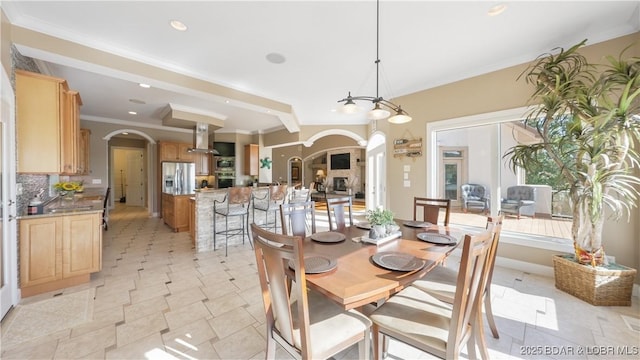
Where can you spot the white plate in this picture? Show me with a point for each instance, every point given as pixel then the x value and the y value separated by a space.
pixel 364 225
pixel 398 261
pixel 316 264
pixel 328 237
pixel 440 239
pixel 417 224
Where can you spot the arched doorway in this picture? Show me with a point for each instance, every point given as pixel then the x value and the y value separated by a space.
pixel 295 173
pixel 132 181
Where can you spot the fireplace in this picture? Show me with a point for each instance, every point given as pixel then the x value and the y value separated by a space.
pixel 340 184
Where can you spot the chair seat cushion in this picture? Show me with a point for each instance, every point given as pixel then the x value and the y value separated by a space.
pixel 440 282
pixel 233 210
pixel 329 325
pixel 416 316
pixel 266 205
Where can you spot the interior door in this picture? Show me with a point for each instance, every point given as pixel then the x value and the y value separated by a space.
pixel 134 185
pixel 376 170
pixel 8 232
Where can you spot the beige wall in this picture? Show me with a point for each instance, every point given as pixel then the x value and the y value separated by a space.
pixel 5 42
pixel 499 90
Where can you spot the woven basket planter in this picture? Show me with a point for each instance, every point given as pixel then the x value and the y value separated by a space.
pixel 611 286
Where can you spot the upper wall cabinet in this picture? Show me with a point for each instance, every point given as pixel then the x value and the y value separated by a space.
pixel 251 160
pixel 47 125
pixel 175 152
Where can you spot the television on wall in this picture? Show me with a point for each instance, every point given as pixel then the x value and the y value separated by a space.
pixel 341 161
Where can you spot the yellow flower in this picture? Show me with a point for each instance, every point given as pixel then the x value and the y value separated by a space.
pixel 68 186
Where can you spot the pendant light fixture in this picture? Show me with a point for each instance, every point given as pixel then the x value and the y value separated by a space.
pixel 381 106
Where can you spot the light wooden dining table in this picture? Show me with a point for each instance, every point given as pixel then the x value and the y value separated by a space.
pixel 357 280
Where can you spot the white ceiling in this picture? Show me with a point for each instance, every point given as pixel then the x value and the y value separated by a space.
pixel 329 46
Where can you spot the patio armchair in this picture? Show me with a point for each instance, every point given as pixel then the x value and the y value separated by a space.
pixel 521 200
pixel 474 196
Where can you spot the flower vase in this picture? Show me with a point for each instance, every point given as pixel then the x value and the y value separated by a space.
pixel 67 198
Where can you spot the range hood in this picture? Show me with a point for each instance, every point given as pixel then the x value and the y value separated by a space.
pixel 184 117
pixel 201 140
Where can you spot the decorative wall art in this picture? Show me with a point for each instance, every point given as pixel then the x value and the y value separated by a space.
pixel 407 148
pixel 265 163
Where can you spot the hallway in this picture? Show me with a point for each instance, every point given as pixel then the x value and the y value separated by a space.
pixel 157 299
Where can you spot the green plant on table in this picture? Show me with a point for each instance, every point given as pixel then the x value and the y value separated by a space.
pixel 380 217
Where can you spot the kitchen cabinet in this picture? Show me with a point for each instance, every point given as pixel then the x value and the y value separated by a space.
pixel 59 251
pixel 175 211
pixel 203 164
pixel 47 124
pixel 251 159
pixel 170 151
pixel 83 154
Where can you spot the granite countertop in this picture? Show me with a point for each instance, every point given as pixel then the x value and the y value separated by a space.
pixel 58 207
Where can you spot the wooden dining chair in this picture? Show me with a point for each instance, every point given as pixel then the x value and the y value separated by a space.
pixel 235 203
pixel 441 281
pixel 305 323
pixel 338 210
pixel 298 218
pixel 419 319
pixel 430 209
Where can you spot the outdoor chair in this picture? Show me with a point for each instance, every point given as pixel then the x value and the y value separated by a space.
pixel 474 196
pixel 521 200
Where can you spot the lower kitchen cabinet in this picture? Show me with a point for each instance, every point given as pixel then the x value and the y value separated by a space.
pixel 175 211
pixel 59 251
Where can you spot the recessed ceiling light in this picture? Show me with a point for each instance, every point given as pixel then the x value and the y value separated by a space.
pixel 275 58
pixel 133 113
pixel 146 86
pixel 137 101
pixel 497 10
pixel 125 133
pixel 226 101
pixel 178 25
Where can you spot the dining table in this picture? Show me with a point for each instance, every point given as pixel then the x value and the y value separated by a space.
pixel 356 279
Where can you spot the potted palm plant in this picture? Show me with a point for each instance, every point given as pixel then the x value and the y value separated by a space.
pixel 587 118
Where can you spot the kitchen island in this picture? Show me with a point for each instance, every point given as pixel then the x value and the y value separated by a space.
pixel 204 217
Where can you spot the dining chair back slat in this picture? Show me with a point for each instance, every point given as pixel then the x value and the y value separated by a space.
pixel 339 210
pixel 295 218
pixel 430 209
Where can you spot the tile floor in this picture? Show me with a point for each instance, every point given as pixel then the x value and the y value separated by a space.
pixel 157 299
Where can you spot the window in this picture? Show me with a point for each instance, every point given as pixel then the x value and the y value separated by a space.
pixel 487 136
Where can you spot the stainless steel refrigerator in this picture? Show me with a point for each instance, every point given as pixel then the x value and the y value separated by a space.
pixel 178 178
